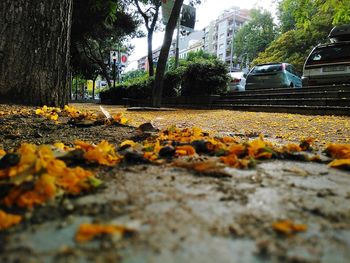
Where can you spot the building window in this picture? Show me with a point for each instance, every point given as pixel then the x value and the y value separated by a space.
pixel 221 46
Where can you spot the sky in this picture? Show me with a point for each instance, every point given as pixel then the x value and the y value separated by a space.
pixel 206 12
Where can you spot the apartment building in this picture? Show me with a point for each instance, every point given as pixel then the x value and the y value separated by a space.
pixel 185 45
pixel 219 34
pixel 142 63
pixel 193 46
pixel 216 39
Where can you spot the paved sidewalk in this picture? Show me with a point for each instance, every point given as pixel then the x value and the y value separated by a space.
pixel 183 217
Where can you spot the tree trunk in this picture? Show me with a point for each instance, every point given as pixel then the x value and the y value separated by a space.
pixel 34 51
pixel 164 52
pixel 93 86
pixel 150 54
pixel 76 88
pixel 105 74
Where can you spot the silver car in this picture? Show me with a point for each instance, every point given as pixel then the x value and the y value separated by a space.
pixel 328 64
pixel 237 82
pixel 273 75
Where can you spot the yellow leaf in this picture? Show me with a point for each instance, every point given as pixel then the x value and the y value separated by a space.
pixel 8 220
pixel 340 163
pixel 87 232
pixel 131 143
pixel 339 151
pixel 288 227
pixel 185 150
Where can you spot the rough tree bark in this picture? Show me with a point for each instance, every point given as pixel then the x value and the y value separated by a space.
pixel 150 24
pixel 164 52
pixel 34 51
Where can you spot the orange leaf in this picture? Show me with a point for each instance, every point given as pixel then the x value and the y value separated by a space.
pixel 87 232
pixel 339 151
pixel 340 163
pixel 292 147
pixel 287 227
pixel 236 149
pixel 84 145
pixel 8 220
pixel 185 150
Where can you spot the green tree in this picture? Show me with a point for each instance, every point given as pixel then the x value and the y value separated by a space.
pixel 255 35
pixel 312 22
pixel 200 54
pixel 149 10
pixel 98 27
pixel 310 10
pixel 164 52
pixel 133 74
pixel 292 47
pixel 192 56
pixel 286 15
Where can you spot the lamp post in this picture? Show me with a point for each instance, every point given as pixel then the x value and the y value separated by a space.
pixel 241 59
pixel 177 44
pixel 233 34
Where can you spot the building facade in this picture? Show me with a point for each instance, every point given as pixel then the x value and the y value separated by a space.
pixel 185 42
pixel 216 38
pixel 219 34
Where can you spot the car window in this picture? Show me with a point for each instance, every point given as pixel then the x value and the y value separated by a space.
pixel 295 72
pixel 330 54
pixel 267 68
pixel 290 69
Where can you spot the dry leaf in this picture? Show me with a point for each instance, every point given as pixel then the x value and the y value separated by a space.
pixel 288 227
pixel 87 232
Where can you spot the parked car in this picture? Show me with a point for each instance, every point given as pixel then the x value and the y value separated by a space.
pixel 329 64
pixel 340 33
pixel 237 81
pixel 273 75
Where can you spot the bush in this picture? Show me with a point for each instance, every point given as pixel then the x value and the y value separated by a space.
pixel 172 82
pixel 141 89
pixel 137 88
pixel 204 77
pixel 198 77
pixel 112 95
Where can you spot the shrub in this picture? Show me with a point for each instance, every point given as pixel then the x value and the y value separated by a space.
pixel 172 82
pixel 113 95
pixel 140 89
pixel 137 88
pixel 204 77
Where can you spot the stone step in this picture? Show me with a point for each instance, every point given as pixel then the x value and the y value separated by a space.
pixel 304 94
pixel 303 89
pixel 309 110
pixel 286 101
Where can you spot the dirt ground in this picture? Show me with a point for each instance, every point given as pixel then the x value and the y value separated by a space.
pixel 181 216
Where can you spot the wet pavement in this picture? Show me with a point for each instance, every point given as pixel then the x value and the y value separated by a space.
pixel 180 216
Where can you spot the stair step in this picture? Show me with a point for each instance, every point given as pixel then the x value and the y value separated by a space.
pixel 312 94
pixel 295 90
pixel 287 101
pixel 319 110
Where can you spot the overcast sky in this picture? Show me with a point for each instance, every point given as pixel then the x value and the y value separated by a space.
pixel 208 11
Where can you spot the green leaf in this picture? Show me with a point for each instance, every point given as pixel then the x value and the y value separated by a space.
pixel 94 181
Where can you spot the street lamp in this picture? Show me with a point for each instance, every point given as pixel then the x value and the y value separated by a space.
pixel 233 34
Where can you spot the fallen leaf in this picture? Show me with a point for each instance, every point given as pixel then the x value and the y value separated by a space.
pixel 340 163
pixel 8 220
pixel 288 227
pixel 88 232
pixel 297 171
